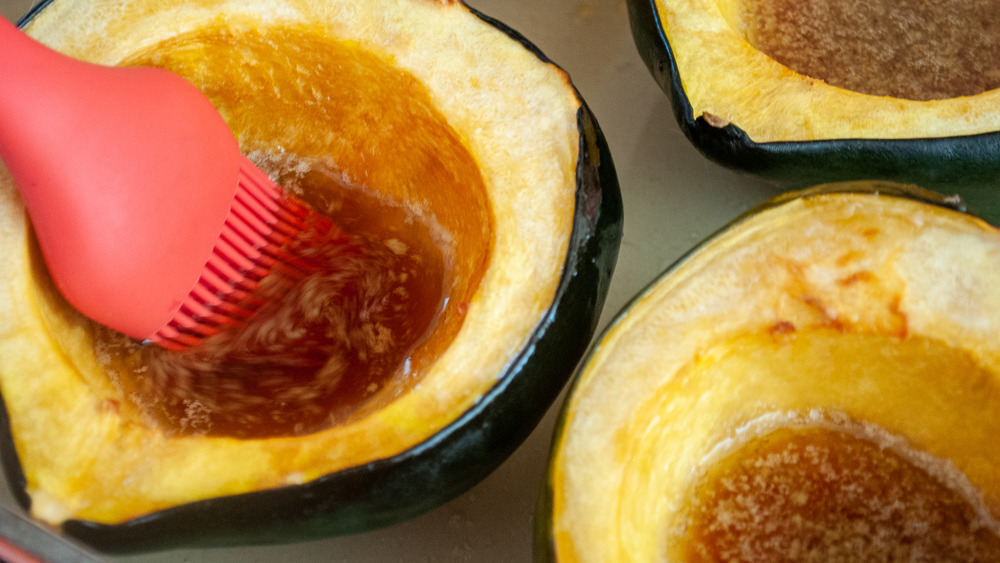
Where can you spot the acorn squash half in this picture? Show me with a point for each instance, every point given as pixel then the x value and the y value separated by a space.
pixel 748 103
pixel 461 132
pixel 820 378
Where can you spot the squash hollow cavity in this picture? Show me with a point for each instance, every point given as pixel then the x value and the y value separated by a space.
pixel 360 142
pixel 802 383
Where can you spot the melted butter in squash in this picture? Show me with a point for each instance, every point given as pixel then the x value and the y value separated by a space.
pixel 817 494
pixel 319 349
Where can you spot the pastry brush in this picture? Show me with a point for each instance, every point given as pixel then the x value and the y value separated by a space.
pixel 150 219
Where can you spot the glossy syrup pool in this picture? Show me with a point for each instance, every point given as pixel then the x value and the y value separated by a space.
pixel 321 349
pixel 820 494
pixel 915 49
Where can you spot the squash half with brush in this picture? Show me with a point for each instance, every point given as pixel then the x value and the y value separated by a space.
pixel 809 92
pixel 819 381
pixel 485 217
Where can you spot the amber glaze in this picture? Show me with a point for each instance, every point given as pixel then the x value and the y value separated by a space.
pixel 820 494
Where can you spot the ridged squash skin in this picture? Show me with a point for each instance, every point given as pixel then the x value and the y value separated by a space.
pixel 952 146
pixel 475 434
pixel 869 304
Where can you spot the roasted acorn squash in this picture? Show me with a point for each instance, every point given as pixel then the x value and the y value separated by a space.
pixel 749 111
pixel 423 106
pixel 844 327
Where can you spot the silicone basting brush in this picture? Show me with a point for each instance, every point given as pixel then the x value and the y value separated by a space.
pixel 150 219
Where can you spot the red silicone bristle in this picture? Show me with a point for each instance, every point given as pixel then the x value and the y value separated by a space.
pixel 253 242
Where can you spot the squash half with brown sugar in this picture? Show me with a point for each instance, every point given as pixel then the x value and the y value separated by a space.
pixel 480 191
pixel 819 381
pixel 811 91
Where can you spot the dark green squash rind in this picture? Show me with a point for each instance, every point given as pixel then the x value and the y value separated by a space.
pixel 544 546
pixel 388 491
pixel 16 479
pixel 968 165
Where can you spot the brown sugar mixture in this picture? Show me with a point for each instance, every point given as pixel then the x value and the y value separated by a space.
pixel 824 495
pixel 320 347
pixel 912 49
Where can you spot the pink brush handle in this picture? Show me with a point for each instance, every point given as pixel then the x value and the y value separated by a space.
pixel 127 175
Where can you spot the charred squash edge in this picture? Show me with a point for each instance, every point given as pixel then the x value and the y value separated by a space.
pixel 544 546
pixel 387 491
pixel 968 164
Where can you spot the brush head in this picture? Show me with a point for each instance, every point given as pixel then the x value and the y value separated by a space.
pixel 261 242
pixel 150 219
